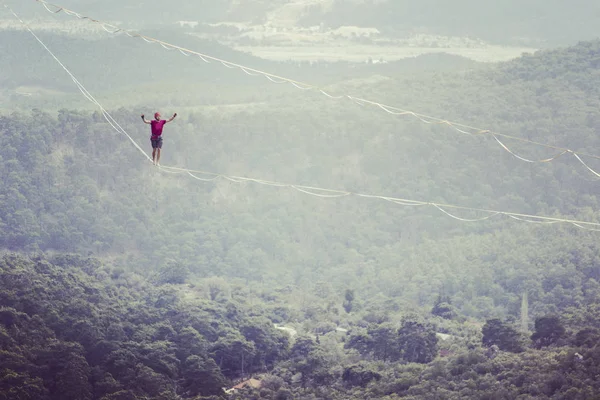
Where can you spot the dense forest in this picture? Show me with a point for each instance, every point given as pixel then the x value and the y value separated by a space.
pixel 121 281
pixel 73 328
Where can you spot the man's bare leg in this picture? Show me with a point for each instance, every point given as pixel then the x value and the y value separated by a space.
pixel 157 156
pixel 154 156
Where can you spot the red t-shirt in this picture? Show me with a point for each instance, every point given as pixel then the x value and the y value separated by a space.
pixel 157 127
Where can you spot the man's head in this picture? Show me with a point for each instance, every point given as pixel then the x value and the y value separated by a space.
pixel 157 116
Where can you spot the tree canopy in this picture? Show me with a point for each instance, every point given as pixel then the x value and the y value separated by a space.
pixel 123 282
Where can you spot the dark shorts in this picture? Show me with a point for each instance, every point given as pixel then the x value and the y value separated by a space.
pixel 156 142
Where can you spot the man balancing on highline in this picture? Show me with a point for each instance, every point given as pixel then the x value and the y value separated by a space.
pixel 156 139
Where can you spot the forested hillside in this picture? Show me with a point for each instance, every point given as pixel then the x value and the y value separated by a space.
pixel 115 60
pixel 122 71
pixel 187 278
pixel 72 328
pixel 71 183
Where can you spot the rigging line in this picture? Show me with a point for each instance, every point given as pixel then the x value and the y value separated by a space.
pixel 526 159
pixel 298 86
pixel 520 216
pixel 204 179
pixel 584 228
pixel 306 189
pixel 161 42
pixel 275 80
pixel 117 30
pixel 83 92
pixel 334 191
pixel 393 200
pixel 585 165
pixel 325 196
pixel 390 111
pixel 161 168
pixel 331 96
pixel 229 178
pixel 427 119
pixel 407 202
pixel 465 219
pixel 69 12
pixel 461 131
pixel 248 72
pixel 531 221
pixel 328 196
pixel 270 183
pixel 49 10
pixel 402 203
pixel 262 182
pixel 238 179
pixel 79 85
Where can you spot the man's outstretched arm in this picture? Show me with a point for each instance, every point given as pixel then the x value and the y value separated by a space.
pixel 172 118
pixel 145 120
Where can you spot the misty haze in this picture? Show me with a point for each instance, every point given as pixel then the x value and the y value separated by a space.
pixel 299 200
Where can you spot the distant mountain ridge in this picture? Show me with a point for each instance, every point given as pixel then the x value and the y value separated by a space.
pixel 535 23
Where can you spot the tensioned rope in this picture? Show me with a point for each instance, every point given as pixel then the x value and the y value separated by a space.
pixel 312 190
pixel 427 119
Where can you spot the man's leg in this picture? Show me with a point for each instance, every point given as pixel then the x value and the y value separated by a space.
pixel 154 155
pixel 158 148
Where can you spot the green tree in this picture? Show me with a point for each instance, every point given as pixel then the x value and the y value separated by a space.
pixel 587 337
pixel 302 347
pixel 201 376
pixel 270 345
pixel 360 340
pixel 385 343
pixel 189 342
pixel 443 308
pixel 21 386
pixel 173 272
pixel 548 331
pixel 72 381
pixel 150 382
pixel 359 375
pixel 233 353
pixel 348 300
pixel 501 334
pixel 417 341
pixel 121 395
